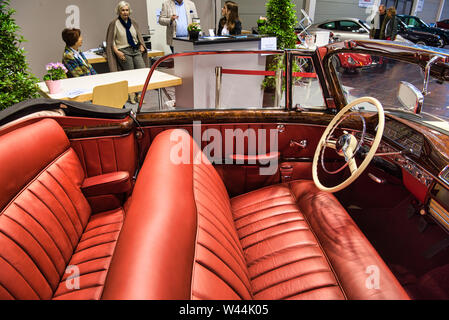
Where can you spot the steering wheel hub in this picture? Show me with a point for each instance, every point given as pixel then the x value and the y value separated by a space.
pixel 343 143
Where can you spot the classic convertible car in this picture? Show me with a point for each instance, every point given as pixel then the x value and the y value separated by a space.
pixel 330 186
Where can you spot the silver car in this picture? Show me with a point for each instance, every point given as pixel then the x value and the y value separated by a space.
pixel 346 29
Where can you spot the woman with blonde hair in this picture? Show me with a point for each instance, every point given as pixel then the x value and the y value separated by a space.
pixel 230 23
pixel 125 47
pixel 389 28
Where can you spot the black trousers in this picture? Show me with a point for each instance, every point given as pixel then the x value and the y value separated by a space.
pixel 377 34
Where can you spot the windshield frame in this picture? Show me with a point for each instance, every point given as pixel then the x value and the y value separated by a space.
pixel 422 22
pixel 289 54
pixel 413 54
pixel 364 24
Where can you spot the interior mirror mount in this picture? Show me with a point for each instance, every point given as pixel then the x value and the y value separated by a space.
pixel 410 97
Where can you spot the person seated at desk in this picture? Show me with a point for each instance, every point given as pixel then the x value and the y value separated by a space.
pixel 74 60
pixel 230 23
pixel 125 47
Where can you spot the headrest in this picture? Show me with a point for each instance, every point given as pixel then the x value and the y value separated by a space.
pixel 27 151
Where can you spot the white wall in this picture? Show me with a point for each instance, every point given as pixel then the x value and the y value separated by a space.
pixel 158 41
pixel 330 9
pixel 251 10
pixel 42 21
pixel 429 13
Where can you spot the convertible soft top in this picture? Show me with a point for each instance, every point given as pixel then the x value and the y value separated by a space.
pixel 71 108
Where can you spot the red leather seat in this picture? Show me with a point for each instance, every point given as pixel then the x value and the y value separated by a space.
pixel 183 238
pixel 46 223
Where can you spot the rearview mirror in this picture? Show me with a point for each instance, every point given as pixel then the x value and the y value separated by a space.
pixel 410 97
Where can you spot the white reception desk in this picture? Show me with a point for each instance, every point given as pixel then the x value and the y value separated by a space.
pixel 198 72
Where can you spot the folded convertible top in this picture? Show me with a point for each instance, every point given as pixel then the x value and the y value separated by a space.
pixel 71 108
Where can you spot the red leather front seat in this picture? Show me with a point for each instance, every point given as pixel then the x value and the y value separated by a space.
pixel 183 238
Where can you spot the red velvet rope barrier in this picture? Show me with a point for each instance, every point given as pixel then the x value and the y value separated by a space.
pixel 266 73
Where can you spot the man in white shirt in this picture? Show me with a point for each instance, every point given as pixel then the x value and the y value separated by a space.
pixel 177 15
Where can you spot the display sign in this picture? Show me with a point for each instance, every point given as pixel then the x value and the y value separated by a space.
pixel 268 43
pixel 366 3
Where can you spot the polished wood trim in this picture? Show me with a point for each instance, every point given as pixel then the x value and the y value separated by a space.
pixel 249 116
pixel 105 129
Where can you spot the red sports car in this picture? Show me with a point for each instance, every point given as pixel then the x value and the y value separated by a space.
pixel 443 24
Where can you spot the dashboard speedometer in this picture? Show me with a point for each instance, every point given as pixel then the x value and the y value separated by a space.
pixel 404 136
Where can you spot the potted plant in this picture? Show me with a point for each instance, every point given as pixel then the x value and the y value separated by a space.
pixel 280 22
pixel 55 72
pixel 194 31
pixel 261 21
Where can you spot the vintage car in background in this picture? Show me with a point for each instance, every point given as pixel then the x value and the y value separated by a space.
pixel 252 184
pixel 443 24
pixel 416 23
pixel 420 37
pixel 346 29
pixel 356 29
pixel 352 61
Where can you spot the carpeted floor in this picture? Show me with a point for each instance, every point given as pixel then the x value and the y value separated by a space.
pixel 405 240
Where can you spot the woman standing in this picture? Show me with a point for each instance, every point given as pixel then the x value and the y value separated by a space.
pixel 125 47
pixel 72 58
pixel 230 24
pixel 389 28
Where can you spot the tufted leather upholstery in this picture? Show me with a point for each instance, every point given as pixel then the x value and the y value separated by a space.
pixel 183 237
pixel 45 220
pixel 300 243
pixel 187 240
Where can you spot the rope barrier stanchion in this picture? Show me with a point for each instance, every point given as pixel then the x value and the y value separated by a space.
pixel 266 73
pixel 218 77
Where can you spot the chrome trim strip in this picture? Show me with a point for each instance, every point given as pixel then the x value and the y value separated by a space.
pixel 443 175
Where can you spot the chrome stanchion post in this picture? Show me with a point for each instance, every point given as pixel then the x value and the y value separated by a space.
pixel 218 76
pixel 278 89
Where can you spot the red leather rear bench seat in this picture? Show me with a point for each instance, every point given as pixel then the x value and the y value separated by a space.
pixel 45 221
pixel 183 238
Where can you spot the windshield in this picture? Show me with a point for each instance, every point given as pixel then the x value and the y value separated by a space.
pixel 380 77
pixel 240 80
pixel 421 22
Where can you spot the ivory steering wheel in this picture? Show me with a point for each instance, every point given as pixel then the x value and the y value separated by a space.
pixel 347 145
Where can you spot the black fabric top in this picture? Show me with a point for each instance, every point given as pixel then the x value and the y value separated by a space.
pixel 72 108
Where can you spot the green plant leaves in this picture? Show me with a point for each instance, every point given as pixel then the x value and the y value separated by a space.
pixel 281 22
pixel 16 83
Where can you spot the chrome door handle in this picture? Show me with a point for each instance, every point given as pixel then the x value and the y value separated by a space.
pixel 301 144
